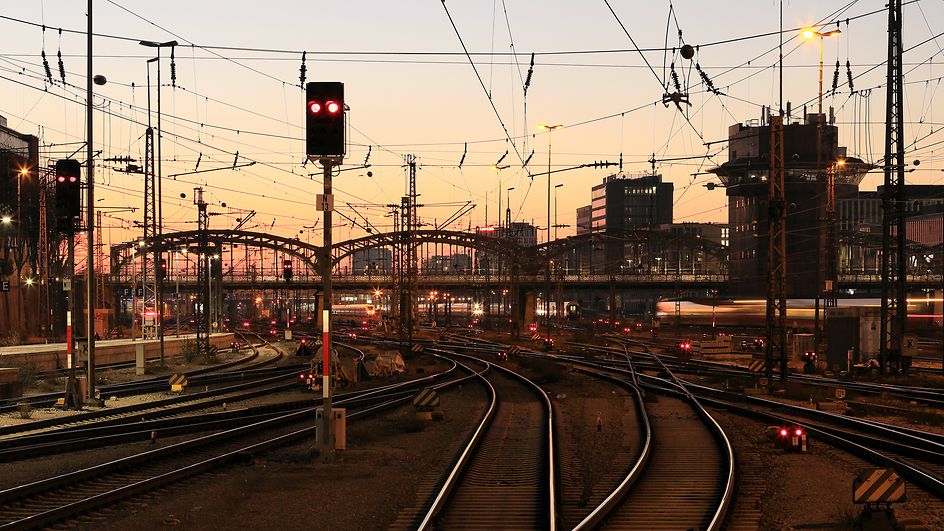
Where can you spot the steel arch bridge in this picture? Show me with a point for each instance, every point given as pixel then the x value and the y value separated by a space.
pixel 172 241
pixel 309 254
pixel 486 244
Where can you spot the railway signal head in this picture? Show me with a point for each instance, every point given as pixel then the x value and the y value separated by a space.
pixel 324 120
pixel 161 269
pixel 68 194
pixel 287 270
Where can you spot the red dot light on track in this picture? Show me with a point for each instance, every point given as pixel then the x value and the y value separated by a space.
pixel 333 107
pixel 799 432
pixel 314 107
pixel 72 179
pixel 783 433
pixel 61 179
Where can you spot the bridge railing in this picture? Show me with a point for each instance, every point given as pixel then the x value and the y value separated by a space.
pixel 876 278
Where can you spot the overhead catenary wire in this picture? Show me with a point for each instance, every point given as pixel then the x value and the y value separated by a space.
pixel 506 138
pixel 478 76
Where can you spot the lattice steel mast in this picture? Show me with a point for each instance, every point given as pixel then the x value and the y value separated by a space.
pixel 894 305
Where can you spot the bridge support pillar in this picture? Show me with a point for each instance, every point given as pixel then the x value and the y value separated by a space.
pixel 517 295
pixel 530 307
pixel 612 304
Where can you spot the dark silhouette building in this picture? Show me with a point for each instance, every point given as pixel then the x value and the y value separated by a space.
pixel 745 178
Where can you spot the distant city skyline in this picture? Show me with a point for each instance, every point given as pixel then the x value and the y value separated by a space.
pixel 427 100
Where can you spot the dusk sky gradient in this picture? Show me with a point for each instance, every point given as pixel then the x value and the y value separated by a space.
pixel 431 104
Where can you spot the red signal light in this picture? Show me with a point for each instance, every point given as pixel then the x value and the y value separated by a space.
pixel 333 107
pixel 72 179
pixel 799 432
pixel 783 432
pixel 314 107
pixel 61 179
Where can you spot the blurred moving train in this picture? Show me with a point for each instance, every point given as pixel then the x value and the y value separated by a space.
pixel 355 313
pixel 800 312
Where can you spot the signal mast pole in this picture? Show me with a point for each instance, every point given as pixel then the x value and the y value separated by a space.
pixel 325 141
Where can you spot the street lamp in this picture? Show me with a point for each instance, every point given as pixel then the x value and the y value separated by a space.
pixel 547 266
pixel 159 225
pixel 810 33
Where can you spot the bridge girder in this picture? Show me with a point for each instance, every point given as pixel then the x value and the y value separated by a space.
pixel 170 241
pixel 487 244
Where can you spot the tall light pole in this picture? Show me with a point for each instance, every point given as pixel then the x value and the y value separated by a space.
pixel 90 296
pixel 810 34
pixel 158 284
pixel 547 266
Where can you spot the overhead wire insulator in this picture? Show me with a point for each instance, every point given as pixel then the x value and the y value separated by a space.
pixel 46 66
pixel 836 77
pixel 675 79
pixel 301 72
pixel 849 75
pixel 62 68
pixel 173 68
pixel 527 80
pixel 465 150
pixel 527 160
pixel 707 80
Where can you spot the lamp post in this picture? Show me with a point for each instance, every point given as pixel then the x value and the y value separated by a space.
pixel 158 288
pixel 810 34
pixel 90 295
pixel 547 266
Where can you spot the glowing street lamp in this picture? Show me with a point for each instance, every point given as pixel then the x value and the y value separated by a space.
pixel 547 273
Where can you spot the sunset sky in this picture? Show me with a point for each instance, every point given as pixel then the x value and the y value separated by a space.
pixel 412 90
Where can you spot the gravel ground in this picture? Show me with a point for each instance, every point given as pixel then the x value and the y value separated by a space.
pixel 287 489
pixel 389 462
pixel 811 490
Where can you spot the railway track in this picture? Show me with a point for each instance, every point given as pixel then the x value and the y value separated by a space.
pixel 627 466
pixel 45 502
pixel 924 395
pixel 682 477
pixel 504 477
pixel 917 456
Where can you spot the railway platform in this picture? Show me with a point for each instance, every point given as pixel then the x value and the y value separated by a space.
pixel 52 356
